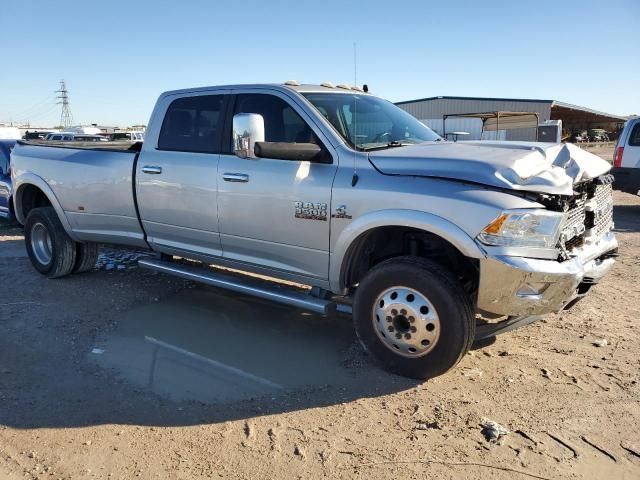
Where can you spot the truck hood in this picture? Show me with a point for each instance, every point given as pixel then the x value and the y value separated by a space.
pixel 527 166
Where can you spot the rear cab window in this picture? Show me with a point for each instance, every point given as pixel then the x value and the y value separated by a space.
pixel 193 124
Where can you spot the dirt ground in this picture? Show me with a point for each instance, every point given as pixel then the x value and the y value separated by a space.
pixel 124 373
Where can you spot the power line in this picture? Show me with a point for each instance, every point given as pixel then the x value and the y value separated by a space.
pixel 66 119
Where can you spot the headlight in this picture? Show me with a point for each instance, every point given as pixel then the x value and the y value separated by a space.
pixel 524 228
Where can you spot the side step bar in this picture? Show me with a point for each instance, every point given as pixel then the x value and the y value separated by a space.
pixel 492 329
pixel 249 286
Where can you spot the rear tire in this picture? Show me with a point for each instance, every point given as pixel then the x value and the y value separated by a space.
pixel 414 317
pixel 86 256
pixel 50 249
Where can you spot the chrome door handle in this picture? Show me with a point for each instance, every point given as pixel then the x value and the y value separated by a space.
pixel 235 177
pixel 152 169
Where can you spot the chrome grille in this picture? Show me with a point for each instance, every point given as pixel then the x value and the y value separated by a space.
pixel 602 210
pixel 590 216
pixel 576 217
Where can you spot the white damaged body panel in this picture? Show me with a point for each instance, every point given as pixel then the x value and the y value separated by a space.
pixel 532 167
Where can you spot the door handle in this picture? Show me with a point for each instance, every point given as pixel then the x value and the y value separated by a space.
pixel 152 169
pixel 235 177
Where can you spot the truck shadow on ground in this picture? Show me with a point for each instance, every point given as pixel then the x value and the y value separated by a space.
pixel 626 218
pixel 195 356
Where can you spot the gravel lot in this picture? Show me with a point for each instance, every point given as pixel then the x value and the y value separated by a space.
pixel 95 383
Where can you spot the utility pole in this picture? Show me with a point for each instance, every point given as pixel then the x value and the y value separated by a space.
pixel 66 119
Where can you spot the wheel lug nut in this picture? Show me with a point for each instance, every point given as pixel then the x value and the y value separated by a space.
pixel 389 319
pixel 414 329
pixel 411 319
pixel 407 336
pixel 390 328
pixel 394 312
pixel 398 336
pixel 403 312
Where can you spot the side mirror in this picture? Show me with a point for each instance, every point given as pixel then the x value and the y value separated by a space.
pixel 309 152
pixel 248 128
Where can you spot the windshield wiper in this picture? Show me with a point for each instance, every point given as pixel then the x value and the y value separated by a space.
pixel 392 144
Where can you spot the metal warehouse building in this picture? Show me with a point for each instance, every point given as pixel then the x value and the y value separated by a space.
pixel 574 118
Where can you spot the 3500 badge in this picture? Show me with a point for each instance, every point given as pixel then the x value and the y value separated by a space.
pixel 311 211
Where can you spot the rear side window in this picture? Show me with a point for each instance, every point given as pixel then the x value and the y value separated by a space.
pixel 634 138
pixel 192 124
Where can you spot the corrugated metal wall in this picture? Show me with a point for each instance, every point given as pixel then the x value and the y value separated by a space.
pixel 430 111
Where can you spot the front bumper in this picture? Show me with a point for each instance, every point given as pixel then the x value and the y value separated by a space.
pixel 528 286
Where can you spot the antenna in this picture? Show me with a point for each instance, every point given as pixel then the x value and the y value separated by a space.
pixel 66 119
pixel 354 179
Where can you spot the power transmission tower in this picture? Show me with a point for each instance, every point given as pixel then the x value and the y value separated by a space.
pixel 66 119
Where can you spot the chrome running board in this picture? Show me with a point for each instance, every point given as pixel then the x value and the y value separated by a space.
pixel 247 285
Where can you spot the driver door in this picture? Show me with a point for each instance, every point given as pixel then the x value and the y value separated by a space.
pixel 262 201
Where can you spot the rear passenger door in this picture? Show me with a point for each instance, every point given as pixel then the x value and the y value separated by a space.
pixel 176 179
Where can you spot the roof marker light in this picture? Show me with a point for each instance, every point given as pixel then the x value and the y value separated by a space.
pixel 344 86
pixel 292 83
pixel 327 84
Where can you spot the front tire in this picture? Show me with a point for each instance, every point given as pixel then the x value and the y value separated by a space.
pixel 50 249
pixel 414 317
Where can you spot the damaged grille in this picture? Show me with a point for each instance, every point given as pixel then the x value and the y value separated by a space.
pixel 590 214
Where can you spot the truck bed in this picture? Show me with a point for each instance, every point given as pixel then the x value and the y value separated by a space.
pixel 117 145
pixel 93 184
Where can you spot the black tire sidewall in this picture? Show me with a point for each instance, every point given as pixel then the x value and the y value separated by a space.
pixel 38 216
pixel 446 295
pixel 63 251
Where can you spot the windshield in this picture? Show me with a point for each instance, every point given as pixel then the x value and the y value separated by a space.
pixel 368 122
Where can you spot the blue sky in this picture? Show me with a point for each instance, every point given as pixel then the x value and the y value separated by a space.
pixel 118 56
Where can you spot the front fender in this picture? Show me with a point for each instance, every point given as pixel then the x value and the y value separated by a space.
pixel 26 179
pixel 424 221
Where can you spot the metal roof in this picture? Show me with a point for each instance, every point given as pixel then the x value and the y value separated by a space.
pixel 570 106
pixel 490 99
pixel 554 103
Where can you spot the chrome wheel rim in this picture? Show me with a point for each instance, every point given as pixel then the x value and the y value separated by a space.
pixel 41 243
pixel 406 322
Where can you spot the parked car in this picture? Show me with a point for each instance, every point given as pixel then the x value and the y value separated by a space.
pixel 374 212
pixel 74 137
pixel 89 138
pixel 626 158
pixel 59 137
pixel 6 191
pixel 36 135
pixel 598 135
pixel 127 136
pixel 582 136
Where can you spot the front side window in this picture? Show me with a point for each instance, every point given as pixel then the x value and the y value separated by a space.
pixel 367 122
pixel 281 122
pixel 192 124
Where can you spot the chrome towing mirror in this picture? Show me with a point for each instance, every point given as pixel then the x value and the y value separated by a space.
pixel 248 128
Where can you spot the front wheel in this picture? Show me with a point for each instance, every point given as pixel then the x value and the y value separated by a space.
pixel 50 249
pixel 414 317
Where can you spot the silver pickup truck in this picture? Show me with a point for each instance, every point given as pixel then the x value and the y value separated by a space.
pixel 429 244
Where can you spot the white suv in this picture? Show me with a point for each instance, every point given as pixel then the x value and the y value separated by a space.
pixel 626 158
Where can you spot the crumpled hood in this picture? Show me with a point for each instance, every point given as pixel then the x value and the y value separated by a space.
pixel 527 166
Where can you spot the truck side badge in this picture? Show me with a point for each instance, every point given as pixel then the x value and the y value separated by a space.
pixel 311 211
pixel 341 212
